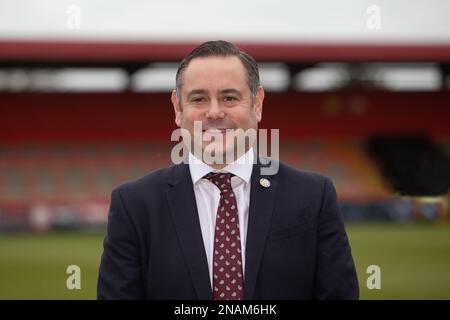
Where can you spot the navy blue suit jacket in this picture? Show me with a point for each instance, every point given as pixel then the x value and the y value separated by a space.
pixel 297 247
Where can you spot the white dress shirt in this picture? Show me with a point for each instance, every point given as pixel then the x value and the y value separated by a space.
pixel 207 197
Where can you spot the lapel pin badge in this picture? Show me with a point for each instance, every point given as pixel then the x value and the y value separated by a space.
pixel 264 182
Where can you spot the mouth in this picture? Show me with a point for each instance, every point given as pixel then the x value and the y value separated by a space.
pixel 217 130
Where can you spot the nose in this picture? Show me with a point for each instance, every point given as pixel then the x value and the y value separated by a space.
pixel 214 111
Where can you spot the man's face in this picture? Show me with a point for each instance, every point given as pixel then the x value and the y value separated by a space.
pixel 215 92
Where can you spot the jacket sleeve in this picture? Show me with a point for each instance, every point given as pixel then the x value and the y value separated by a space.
pixel 120 274
pixel 336 276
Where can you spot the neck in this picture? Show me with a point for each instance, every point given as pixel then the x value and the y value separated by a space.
pixel 219 166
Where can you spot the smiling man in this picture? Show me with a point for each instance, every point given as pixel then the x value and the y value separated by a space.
pixel 220 229
pixel 222 93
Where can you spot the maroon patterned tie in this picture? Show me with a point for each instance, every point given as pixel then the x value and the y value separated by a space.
pixel 228 283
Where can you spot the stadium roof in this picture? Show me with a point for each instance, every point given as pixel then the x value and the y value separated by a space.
pixel 109 51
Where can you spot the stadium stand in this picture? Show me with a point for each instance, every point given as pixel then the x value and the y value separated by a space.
pixel 61 154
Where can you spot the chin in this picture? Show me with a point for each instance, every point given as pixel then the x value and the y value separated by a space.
pixel 219 150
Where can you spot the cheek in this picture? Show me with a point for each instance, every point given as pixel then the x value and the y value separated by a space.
pixel 244 118
pixel 189 116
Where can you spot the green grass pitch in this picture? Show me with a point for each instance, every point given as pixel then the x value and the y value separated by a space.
pixel 414 261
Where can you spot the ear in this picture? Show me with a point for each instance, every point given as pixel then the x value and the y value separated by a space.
pixel 259 103
pixel 176 108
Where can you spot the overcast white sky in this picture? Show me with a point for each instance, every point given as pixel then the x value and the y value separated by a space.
pixel 244 20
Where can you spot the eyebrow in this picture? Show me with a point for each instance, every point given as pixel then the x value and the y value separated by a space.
pixel 224 91
pixel 231 90
pixel 197 91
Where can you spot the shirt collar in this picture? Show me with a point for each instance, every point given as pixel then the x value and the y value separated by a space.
pixel 242 167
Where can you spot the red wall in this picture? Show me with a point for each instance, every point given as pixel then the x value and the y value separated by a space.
pixel 145 117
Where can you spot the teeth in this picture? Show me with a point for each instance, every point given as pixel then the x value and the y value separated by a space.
pixel 216 130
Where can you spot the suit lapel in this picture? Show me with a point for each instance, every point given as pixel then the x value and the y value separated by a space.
pixel 184 212
pixel 262 200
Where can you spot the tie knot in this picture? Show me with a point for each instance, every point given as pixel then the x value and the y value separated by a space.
pixel 221 180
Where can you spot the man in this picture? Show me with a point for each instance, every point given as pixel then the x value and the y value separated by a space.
pixel 218 229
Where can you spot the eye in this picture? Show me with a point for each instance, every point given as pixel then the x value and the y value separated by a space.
pixel 198 99
pixel 229 99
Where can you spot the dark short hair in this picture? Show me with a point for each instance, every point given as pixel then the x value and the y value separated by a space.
pixel 220 48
